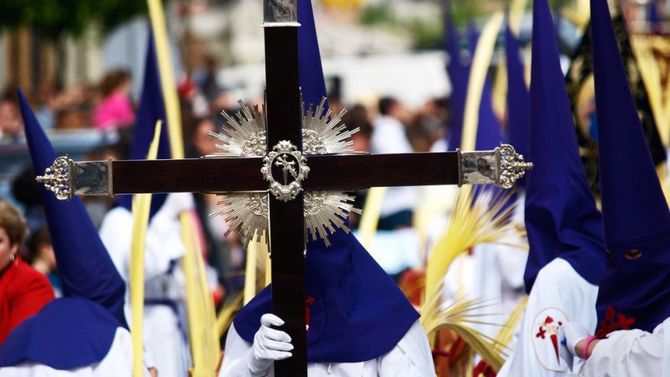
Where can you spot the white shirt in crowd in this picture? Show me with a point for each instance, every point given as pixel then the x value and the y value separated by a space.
pixel 388 136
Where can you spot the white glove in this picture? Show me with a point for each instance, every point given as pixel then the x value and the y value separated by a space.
pixel 269 345
pixel 574 332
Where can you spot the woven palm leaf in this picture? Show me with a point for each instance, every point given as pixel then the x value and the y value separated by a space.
pixel 506 331
pixel 461 316
pixel 665 182
pixel 225 317
pixel 480 217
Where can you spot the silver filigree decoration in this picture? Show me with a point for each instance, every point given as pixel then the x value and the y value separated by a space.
pixel 245 212
pixel 294 170
pixel 279 11
pixel 512 166
pixel 56 178
pixel 244 133
pixel 501 166
pixel 323 132
pixel 325 211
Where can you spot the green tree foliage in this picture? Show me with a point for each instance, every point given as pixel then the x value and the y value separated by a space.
pixel 427 35
pixel 56 17
pixel 378 14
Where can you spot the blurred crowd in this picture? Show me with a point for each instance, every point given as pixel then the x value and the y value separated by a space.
pixel 386 125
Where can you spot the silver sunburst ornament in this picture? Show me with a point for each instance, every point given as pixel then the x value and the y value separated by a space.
pixel 324 132
pixel 244 134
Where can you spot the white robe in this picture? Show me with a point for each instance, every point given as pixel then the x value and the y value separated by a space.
pixel 497 278
pixel 631 353
pixel 163 340
pixel 117 362
pixel 493 273
pixel 559 295
pixel 410 358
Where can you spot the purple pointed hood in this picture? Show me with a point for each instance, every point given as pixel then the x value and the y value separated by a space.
pixel 85 267
pixel 636 216
pixel 561 217
pixel 458 72
pixel 77 330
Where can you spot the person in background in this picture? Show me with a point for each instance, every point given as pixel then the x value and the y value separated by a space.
pixel 47 103
pixel 10 123
pixel 40 255
pixel 163 320
pixel 389 136
pixel 224 253
pixel 567 256
pixel 357 116
pixel 632 338
pixel 428 125
pixel 23 291
pixel 165 341
pixel 25 192
pixel 84 333
pixel 223 101
pixel 360 324
pixel 395 235
pixel 205 77
pixel 115 109
pixel 74 108
pixel 424 132
pixel 631 352
pixel 202 144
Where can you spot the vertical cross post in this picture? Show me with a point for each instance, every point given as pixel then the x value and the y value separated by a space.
pixel 287 222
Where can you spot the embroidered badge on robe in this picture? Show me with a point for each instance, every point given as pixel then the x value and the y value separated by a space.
pixel 546 339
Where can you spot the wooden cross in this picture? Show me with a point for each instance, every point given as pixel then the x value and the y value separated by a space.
pixel 286 169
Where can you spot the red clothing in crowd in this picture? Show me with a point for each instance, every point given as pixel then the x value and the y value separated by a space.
pixel 23 292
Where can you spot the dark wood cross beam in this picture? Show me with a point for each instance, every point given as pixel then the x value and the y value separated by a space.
pixel 286 216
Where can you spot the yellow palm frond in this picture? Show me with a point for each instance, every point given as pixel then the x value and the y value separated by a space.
pixel 205 348
pixel 370 217
pixel 250 286
pixel 257 270
pixel 476 218
pixel 460 316
pixel 664 178
pixel 141 209
pixel 225 317
pixel 506 331
pixel 478 71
